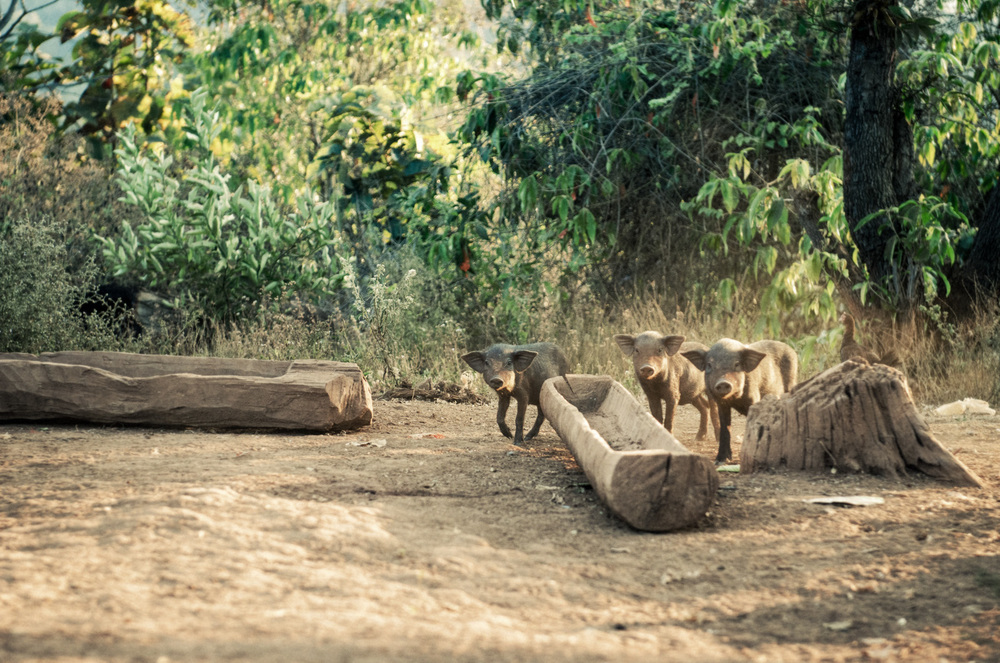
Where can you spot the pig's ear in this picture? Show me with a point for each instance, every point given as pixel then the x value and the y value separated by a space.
pixel 672 344
pixel 626 342
pixel 523 359
pixel 696 357
pixel 476 360
pixel 750 359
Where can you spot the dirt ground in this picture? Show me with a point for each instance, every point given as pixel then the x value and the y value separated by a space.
pixel 428 537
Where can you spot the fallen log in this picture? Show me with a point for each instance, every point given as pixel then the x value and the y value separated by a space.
pixel 162 390
pixel 853 417
pixel 640 471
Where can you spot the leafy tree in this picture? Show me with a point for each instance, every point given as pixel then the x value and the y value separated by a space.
pixel 346 100
pixel 949 89
pixel 123 55
pixel 643 110
pixel 711 147
pixel 216 249
pixel 22 66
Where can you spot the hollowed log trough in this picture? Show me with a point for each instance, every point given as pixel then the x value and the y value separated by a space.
pixel 637 468
pixel 162 390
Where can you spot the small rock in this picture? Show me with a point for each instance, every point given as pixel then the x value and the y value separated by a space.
pixel 839 626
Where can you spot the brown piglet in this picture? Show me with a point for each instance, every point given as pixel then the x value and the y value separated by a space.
pixel 668 379
pixel 518 371
pixel 738 375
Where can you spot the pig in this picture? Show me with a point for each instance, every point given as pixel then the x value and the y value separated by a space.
pixel 668 378
pixel 737 376
pixel 518 371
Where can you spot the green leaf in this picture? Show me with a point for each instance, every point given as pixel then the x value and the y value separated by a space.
pixel 730 195
pixel 777 216
pixel 814 266
pixel 527 194
pixel 560 207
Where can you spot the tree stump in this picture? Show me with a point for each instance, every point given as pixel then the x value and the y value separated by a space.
pixel 855 417
pixel 162 390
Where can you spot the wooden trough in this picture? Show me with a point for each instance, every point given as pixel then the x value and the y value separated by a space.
pixel 640 471
pixel 161 390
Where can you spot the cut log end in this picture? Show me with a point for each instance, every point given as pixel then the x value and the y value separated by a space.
pixel 854 417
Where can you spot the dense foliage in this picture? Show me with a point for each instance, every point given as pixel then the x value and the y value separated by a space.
pixel 214 247
pixel 702 148
pixel 549 154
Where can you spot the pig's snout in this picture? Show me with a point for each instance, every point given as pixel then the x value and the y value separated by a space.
pixel 646 371
pixel 723 387
pixel 496 382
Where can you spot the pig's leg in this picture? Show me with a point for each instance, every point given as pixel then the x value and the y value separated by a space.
pixel 538 424
pixel 670 406
pixel 725 421
pixel 522 408
pixel 703 408
pixel 502 415
pixel 655 408
pixel 713 411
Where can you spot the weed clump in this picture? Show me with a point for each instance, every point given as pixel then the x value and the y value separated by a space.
pixel 40 299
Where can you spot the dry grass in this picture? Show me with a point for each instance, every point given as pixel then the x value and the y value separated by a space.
pixel 587 335
pixel 946 361
pixel 942 361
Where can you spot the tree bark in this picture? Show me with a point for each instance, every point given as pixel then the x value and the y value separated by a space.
pixel 878 142
pixel 982 268
pixel 854 417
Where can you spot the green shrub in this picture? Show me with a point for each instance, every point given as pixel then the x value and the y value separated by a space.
pixel 40 299
pixel 403 321
pixel 51 201
pixel 214 249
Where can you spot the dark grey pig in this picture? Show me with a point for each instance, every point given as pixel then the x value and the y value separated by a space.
pixel 518 371
pixel 668 379
pixel 738 375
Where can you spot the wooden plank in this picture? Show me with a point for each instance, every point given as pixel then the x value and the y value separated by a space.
pixel 162 390
pixel 637 468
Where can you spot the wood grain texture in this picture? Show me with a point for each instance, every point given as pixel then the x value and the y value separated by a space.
pixel 161 390
pixel 855 417
pixel 637 468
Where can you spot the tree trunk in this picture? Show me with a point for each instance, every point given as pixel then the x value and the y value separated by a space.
pixel 878 142
pixel 982 268
pixel 854 417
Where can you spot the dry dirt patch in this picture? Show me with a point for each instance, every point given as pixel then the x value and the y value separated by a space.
pixel 428 537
